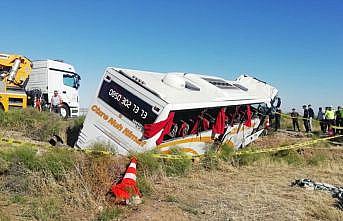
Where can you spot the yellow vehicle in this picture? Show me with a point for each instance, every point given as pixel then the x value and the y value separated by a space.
pixel 14 75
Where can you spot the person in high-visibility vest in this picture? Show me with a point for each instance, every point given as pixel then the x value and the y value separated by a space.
pixel 330 117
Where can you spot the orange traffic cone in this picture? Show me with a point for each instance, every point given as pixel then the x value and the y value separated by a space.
pixel 127 188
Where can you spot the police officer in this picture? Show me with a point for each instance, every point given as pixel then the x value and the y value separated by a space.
pixel 321 118
pixel 306 117
pixel 295 122
pixel 339 119
pixel 311 116
pixel 277 118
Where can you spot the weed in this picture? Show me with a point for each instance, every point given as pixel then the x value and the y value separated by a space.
pixel 178 167
pixel 4 165
pixel 147 164
pixel 226 152
pixel 248 159
pixel 210 161
pixel 34 124
pixel 189 209
pixel 46 209
pixel 317 159
pixel 100 147
pixel 171 199
pixel 57 162
pixel 3 216
pixel 24 155
pixel 289 156
pixel 144 185
pixel 18 199
pixel 109 214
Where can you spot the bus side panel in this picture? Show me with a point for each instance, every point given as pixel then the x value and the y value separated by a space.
pixel 110 121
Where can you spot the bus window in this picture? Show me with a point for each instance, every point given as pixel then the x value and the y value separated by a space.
pixel 126 103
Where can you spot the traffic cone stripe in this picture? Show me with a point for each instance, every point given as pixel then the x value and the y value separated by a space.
pixel 132 165
pixel 130 176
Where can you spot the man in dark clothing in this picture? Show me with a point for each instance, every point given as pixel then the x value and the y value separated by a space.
pixel 339 119
pixel 295 122
pixel 277 119
pixel 321 118
pixel 306 118
pixel 311 116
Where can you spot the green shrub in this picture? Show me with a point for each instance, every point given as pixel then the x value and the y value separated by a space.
pixel 109 214
pixel 57 162
pixel 177 167
pixel 210 160
pixel 317 159
pixel 289 156
pixel 47 209
pixel 171 199
pixel 147 164
pixel 4 166
pixel 247 159
pixel 3 216
pixel 54 161
pixel 226 152
pixel 18 199
pixel 144 185
pixel 24 155
pixel 32 123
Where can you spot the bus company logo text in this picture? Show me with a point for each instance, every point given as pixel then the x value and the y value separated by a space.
pixel 114 123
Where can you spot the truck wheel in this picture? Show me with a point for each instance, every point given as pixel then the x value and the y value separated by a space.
pixel 64 111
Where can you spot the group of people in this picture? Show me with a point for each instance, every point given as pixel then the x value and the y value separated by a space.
pixel 327 119
pixel 55 103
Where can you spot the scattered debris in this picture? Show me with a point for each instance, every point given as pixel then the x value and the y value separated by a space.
pixel 336 192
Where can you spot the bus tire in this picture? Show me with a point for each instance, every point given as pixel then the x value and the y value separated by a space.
pixel 65 111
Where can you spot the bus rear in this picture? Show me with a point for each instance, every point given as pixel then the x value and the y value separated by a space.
pixel 123 105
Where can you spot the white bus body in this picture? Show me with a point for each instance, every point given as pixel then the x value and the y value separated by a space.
pixel 126 100
pixel 50 75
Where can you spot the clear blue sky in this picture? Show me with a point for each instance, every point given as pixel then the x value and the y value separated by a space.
pixel 295 45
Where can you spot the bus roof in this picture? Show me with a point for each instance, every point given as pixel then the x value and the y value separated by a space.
pixel 196 90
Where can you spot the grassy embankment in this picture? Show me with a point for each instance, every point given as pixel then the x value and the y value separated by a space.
pixel 60 184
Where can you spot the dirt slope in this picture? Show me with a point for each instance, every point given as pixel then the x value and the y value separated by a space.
pixel 62 185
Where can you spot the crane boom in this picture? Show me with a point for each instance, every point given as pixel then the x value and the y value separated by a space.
pixel 14 75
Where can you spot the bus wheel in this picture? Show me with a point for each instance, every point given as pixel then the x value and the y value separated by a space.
pixel 64 111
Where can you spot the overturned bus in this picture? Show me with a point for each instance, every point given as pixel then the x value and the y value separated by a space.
pixel 136 111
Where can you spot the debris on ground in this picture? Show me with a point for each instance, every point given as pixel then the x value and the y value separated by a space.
pixel 336 192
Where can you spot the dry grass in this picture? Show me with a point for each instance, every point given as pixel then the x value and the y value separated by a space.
pixel 257 192
pixel 259 189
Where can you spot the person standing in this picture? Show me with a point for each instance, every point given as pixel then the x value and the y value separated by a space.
pixel 330 118
pixel 295 116
pixel 339 119
pixel 306 118
pixel 311 116
pixel 321 118
pixel 277 119
pixel 55 103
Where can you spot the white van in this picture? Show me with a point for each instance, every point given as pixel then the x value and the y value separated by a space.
pixel 132 109
pixel 50 75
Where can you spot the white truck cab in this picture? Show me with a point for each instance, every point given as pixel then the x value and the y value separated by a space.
pixel 50 75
